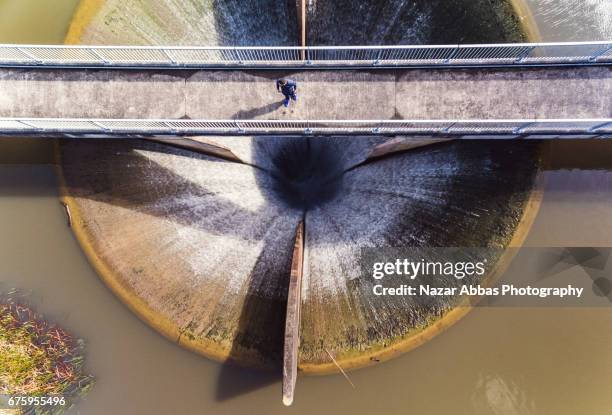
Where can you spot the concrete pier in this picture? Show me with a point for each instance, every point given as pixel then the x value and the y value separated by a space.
pixel 360 94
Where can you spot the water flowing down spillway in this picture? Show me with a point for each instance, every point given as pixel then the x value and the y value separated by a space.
pixel 201 246
pixel 186 22
pixel 275 22
pixel 400 22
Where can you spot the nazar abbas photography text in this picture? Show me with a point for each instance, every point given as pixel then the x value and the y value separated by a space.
pixel 410 270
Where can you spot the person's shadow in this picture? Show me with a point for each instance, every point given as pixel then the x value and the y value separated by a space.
pixel 255 112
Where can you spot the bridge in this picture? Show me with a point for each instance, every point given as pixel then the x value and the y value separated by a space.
pixel 542 90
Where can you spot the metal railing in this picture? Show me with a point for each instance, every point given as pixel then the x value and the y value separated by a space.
pixel 510 54
pixel 547 128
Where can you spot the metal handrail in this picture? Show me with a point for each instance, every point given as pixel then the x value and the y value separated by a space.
pixel 502 128
pixel 506 54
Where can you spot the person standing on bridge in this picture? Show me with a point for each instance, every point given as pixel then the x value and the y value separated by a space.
pixel 288 88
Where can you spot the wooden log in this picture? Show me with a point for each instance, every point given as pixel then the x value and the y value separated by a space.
pixel 292 320
pixel 302 23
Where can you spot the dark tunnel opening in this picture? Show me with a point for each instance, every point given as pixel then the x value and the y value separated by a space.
pixel 306 173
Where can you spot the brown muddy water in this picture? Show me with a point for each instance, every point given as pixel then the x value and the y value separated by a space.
pixel 35 21
pixel 571 20
pixel 494 361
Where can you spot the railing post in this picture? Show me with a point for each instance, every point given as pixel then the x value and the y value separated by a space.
pixel 102 126
pixel 97 55
pixel 172 61
pixel 307 130
pixel 519 130
pixel 446 129
pixel 453 53
pixel 29 125
pixel 238 56
pixel 29 55
pixel 376 129
pixel 598 126
pixel 377 60
pixel 172 129
pixel 523 55
pixel 593 58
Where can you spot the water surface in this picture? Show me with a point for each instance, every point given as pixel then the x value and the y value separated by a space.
pixel 35 21
pixel 572 20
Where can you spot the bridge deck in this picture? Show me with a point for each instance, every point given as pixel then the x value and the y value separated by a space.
pixel 579 92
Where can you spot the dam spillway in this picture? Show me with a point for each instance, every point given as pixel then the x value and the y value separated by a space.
pixel 370 386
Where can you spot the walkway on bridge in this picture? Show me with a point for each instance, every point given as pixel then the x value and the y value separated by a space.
pixel 576 92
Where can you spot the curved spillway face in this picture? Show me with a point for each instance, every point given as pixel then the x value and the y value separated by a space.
pixel 275 22
pixel 185 22
pixel 201 247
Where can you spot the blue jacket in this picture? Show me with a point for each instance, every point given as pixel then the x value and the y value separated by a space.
pixel 288 89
